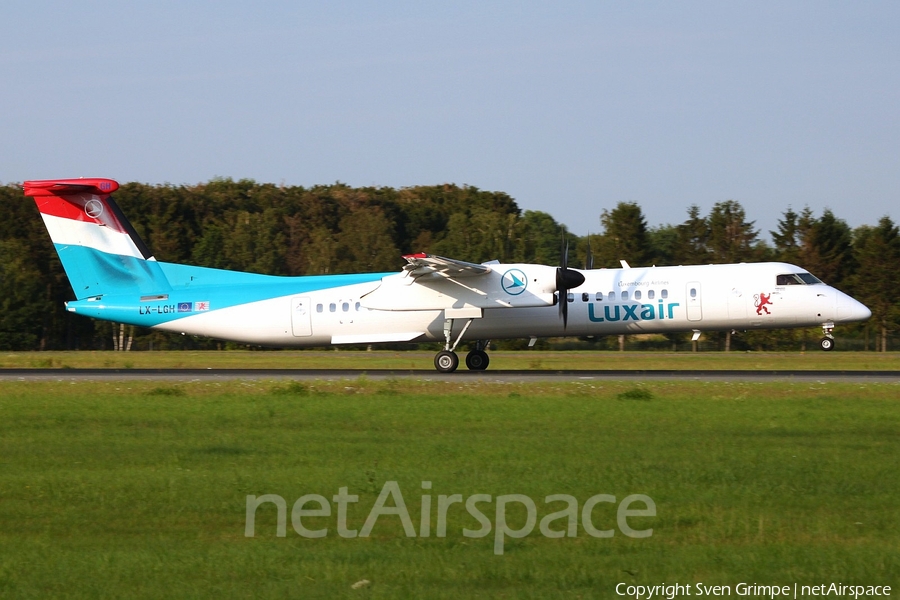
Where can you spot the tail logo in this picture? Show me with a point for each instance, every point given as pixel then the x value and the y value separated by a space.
pixel 93 208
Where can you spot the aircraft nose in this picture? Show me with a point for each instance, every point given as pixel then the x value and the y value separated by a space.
pixel 850 309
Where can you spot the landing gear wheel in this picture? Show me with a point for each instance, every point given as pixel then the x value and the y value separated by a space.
pixel 446 361
pixel 827 343
pixel 477 360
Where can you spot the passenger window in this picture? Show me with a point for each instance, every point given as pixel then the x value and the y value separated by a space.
pixel 319 308
pixel 612 296
pixel 345 307
pixel 357 306
pixel 599 297
pixel 651 295
pixel 693 292
pixel 585 297
pixel 664 294
pixel 570 297
pixel 637 295
pixel 332 307
pixel 624 296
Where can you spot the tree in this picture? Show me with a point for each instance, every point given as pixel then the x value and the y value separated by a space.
pixel 732 238
pixel 692 239
pixel 479 235
pixel 663 241
pixel 624 237
pixel 539 238
pixel 786 239
pixel 826 247
pixel 877 279
pixel 365 243
pixel 23 298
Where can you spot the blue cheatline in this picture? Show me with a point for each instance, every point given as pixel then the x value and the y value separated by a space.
pixel 121 281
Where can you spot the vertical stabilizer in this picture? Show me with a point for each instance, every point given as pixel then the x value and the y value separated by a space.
pixel 99 249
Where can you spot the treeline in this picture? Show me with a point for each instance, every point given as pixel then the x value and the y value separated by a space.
pixel 292 230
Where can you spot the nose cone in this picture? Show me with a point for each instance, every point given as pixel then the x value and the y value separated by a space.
pixel 849 309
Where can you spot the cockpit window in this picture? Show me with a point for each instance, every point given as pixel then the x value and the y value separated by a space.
pixel 809 278
pixel 796 279
pixel 788 279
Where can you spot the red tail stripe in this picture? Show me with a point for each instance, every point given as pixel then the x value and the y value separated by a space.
pixel 59 187
pixel 77 199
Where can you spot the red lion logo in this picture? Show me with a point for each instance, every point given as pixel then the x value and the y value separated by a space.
pixel 761 300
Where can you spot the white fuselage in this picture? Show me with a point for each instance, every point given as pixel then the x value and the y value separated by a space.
pixel 611 301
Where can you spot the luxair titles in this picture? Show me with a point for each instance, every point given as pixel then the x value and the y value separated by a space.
pixel 634 311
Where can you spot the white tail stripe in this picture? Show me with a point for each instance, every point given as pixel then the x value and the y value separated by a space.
pixel 68 232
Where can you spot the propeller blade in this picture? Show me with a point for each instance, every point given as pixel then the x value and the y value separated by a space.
pixel 564 308
pixel 566 279
pixel 561 288
pixel 589 259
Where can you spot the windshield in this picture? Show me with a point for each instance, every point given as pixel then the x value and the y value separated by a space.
pixel 809 278
pixel 796 279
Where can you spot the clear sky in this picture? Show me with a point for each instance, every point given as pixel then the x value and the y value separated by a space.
pixel 570 107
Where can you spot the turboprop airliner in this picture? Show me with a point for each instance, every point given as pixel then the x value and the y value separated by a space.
pixel 115 277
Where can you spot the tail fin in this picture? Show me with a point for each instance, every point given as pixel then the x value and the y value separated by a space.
pixel 99 249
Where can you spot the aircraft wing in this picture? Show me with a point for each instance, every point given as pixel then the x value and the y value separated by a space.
pixel 429 264
pixel 431 282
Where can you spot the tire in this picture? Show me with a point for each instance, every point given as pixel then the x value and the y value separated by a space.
pixel 827 344
pixel 477 360
pixel 446 361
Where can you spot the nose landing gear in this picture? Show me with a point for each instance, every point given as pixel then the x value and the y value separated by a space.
pixel 827 342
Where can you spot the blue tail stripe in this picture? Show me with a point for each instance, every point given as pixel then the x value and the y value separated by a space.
pixel 94 273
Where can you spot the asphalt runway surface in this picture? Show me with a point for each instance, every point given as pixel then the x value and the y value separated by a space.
pixel 432 375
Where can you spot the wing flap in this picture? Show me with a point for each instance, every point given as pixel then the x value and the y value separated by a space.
pixel 428 264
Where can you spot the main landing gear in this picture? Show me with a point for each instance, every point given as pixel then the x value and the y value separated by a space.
pixel 477 360
pixel 827 342
pixel 446 361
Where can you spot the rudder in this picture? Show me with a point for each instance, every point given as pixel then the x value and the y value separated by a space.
pixel 99 249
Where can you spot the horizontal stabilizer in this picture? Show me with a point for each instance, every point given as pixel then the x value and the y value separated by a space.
pixel 59 187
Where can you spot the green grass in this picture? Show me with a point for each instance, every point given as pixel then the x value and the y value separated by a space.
pixel 137 489
pixel 422 359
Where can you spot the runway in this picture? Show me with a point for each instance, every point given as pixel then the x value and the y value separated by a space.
pixel 432 375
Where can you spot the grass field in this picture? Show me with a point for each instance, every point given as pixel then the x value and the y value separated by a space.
pixel 111 490
pixel 420 359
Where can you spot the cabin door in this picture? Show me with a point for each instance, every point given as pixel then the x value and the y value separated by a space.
pixel 694 312
pixel 301 316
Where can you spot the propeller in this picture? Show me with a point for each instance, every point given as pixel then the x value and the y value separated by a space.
pixel 589 257
pixel 566 279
